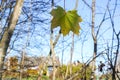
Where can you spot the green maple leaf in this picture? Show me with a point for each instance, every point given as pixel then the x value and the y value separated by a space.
pixel 68 21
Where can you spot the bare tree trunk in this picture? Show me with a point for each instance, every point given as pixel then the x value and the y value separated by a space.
pixel 71 55
pixel 114 74
pixel 52 45
pixel 22 64
pixel 53 55
pixel 9 32
pixel 93 34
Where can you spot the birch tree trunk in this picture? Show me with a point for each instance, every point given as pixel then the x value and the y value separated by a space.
pixel 93 34
pixel 4 43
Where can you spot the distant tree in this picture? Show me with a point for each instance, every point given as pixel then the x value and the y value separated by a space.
pixel 5 40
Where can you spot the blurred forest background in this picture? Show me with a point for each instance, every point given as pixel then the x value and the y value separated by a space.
pixel 35 45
